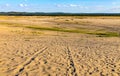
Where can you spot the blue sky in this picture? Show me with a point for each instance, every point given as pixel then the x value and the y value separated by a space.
pixel 72 6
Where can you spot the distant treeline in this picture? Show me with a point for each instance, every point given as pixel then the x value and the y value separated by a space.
pixel 56 14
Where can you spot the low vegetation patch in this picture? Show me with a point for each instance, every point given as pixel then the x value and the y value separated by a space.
pixel 99 33
pixel 106 34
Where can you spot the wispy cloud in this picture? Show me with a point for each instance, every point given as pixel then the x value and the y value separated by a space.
pixel 23 5
pixel 7 5
pixel 115 8
pixel 68 5
pixel 74 5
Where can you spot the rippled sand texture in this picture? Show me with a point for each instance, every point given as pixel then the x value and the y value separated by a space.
pixel 59 46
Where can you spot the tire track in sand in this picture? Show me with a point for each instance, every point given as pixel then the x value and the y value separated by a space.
pixel 21 67
pixel 71 69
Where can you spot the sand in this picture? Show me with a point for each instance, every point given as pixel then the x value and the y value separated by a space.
pixel 35 52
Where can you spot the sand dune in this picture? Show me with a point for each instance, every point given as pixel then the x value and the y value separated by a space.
pixel 59 46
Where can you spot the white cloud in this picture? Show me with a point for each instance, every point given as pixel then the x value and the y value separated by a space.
pixel 61 5
pixel 115 8
pixel 23 5
pixel 74 5
pixel 68 5
pixel 114 3
pixel 7 5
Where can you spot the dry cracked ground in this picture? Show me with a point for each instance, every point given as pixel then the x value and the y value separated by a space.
pixel 59 46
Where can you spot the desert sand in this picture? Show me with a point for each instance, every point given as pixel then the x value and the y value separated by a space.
pixel 59 46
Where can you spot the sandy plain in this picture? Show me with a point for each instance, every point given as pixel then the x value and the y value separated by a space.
pixel 59 46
